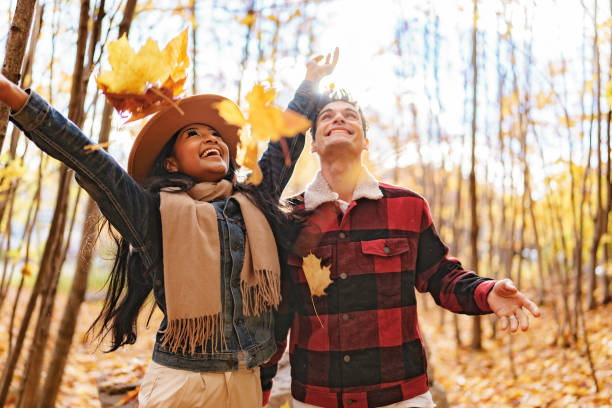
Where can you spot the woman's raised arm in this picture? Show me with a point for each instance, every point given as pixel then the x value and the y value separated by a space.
pixel 11 94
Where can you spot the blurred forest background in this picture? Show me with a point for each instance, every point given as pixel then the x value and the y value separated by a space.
pixel 498 112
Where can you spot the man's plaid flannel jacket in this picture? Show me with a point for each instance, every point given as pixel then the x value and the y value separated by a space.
pixel 365 349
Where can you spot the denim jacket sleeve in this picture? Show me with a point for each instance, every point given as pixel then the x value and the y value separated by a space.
pixel 276 174
pixel 128 207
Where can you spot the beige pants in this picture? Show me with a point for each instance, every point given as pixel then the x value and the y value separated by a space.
pixel 172 388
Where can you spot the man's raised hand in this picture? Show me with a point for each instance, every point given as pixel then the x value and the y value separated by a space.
pixel 315 70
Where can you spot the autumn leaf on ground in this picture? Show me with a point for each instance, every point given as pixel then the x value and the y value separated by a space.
pixel 317 276
pixel 267 122
pixel 128 397
pixel 140 84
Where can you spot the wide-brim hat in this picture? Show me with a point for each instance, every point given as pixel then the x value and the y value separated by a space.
pixel 164 124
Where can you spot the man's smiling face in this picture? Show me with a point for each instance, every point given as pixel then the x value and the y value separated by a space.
pixel 339 130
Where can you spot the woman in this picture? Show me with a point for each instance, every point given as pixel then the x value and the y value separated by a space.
pixel 202 242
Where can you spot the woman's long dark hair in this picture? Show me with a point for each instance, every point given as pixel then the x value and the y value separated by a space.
pixel 130 282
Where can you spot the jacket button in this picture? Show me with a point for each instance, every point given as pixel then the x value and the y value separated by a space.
pixel 350 401
pixel 347 358
pixel 158 282
pixel 342 235
pixel 343 275
pixel 236 283
pixel 386 250
pixel 235 247
pixel 345 317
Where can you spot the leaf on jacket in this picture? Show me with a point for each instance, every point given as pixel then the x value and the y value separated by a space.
pixel 266 122
pixel 140 84
pixel 317 276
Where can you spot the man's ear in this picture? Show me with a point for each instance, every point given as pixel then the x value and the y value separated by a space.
pixel 171 165
pixel 366 144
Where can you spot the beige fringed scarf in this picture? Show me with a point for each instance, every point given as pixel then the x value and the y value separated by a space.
pixel 192 266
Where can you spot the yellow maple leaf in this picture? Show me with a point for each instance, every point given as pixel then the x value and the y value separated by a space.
pixel 230 113
pixel 266 121
pixel 141 83
pixel 247 157
pixel 249 19
pixel 317 276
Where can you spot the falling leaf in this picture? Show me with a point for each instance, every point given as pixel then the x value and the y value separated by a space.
pixel 266 121
pixel 247 157
pixel 26 270
pixel 316 275
pixel 93 147
pixel 139 84
pixel 249 19
pixel 230 113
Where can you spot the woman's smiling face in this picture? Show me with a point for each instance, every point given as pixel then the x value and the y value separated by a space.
pixel 199 152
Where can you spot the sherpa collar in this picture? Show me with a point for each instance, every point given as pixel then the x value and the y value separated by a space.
pixel 319 192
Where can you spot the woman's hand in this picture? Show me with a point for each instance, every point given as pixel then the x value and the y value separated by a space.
pixel 316 71
pixel 11 94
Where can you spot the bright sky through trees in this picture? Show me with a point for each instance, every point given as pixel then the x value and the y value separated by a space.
pixel 368 34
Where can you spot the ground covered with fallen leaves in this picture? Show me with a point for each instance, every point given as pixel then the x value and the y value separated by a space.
pixel 546 375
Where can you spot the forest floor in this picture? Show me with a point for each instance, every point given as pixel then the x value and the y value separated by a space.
pixel 546 375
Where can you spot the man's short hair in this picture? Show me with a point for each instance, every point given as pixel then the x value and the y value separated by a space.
pixel 339 95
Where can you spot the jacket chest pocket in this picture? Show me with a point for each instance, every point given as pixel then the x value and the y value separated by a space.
pixel 388 255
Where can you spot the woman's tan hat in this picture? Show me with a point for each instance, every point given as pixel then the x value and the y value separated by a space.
pixel 161 127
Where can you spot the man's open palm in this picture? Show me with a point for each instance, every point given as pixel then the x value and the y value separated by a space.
pixel 509 304
pixel 316 68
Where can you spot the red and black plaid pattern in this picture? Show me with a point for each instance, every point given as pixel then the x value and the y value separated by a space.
pixel 364 349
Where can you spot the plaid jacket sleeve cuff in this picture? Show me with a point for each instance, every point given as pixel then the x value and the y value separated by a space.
pixel 481 293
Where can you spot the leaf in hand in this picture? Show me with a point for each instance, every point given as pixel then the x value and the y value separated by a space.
pixel 316 275
pixel 140 84
pixel 267 122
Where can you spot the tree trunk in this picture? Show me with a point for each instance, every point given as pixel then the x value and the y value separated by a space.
pixel 476 328
pixel 13 61
pixel 32 373
pixel 194 54
pixel 56 228
pixel 26 78
pixel 79 284
pixel 599 210
pixel 245 56
pixel 15 50
pixel 457 240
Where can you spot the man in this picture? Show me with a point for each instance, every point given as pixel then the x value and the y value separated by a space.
pixel 359 344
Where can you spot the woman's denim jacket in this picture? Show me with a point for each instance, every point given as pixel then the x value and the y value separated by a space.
pixel 135 214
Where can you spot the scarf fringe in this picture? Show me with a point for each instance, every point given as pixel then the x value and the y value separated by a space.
pixel 185 335
pixel 258 298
